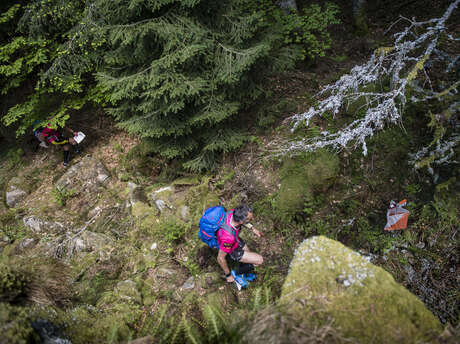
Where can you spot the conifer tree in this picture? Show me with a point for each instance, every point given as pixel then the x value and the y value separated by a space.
pixel 179 73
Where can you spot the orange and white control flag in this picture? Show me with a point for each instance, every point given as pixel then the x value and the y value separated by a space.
pixel 397 216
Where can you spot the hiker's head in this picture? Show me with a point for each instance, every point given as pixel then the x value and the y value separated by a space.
pixel 242 214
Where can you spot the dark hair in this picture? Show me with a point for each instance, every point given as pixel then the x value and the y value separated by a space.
pixel 240 213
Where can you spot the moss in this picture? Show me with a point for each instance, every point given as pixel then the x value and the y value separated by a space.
pixel 199 198
pixel 302 177
pixel 141 210
pixel 328 280
pixel 90 325
pixel 235 201
pixel 193 180
pixel 15 326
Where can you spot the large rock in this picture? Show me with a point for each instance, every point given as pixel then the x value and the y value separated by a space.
pixel 89 241
pixel 38 225
pixel 86 176
pixel 14 195
pixel 302 177
pixel 330 281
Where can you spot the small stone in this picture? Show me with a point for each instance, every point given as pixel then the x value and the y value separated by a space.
pixel 154 246
pixel 160 204
pixel 189 283
pixel 101 178
pixel 132 186
pixel 420 245
pixel 93 212
pixel 25 243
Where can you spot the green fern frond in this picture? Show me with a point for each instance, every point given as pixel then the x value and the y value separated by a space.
pixel 214 321
pixel 190 331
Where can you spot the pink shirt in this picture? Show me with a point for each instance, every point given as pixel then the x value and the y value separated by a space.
pixel 227 242
pixel 49 134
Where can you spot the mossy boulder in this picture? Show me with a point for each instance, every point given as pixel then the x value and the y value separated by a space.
pixel 199 198
pixel 302 177
pixel 328 281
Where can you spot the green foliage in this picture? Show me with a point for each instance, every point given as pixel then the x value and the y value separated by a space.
pixel 14 157
pixel 13 282
pixel 62 195
pixel 307 28
pixel 173 231
pixel 177 73
pixel 15 325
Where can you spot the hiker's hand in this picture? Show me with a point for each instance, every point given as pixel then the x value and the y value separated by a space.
pixel 230 279
pixel 256 232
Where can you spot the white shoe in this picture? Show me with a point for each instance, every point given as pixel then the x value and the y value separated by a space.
pixel 238 286
pixel 43 144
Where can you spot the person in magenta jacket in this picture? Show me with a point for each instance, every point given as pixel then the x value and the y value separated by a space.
pixel 231 244
pixel 55 137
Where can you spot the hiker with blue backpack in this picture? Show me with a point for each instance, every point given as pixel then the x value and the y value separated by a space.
pixel 220 229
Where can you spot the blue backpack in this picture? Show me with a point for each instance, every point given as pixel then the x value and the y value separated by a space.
pixel 213 219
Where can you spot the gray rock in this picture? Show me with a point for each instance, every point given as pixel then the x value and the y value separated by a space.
pixel 85 176
pixel 94 211
pixel 14 196
pixel 137 195
pixel 38 225
pixel 166 188
pixel 101 178
pixel 184 213
pixel 27 243
pixel 160 204
pixel 420 245
pixel 155 195
pixel 189 283
pixel 132 186
pixel 165 272
pixel 89 241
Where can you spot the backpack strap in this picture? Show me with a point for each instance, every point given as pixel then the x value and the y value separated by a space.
pixel 227 228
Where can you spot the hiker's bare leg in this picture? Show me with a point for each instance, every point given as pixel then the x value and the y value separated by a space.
pixel 252 258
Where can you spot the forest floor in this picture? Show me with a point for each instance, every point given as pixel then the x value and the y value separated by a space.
pixel 424 257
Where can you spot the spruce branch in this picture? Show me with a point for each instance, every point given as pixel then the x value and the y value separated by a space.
pixel 403 64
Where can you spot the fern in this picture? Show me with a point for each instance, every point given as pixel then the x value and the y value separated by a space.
pixel 214 321
pixel 190 330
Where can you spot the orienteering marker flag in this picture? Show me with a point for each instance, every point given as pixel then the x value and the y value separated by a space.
pixel 397 216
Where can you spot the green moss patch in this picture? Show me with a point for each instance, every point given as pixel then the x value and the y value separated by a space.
pixel 330 281
pixel 301 177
